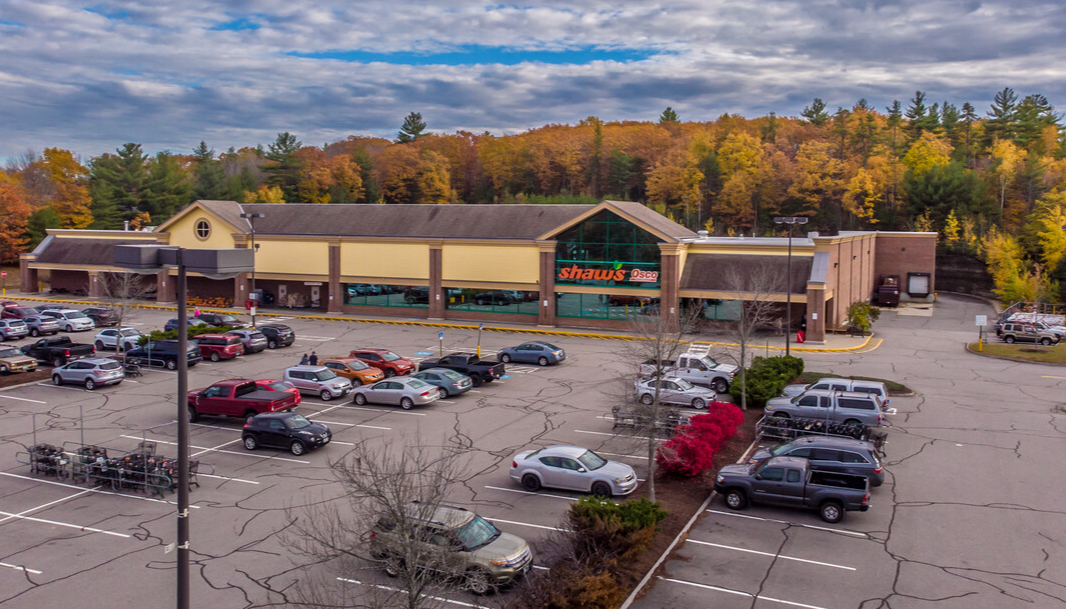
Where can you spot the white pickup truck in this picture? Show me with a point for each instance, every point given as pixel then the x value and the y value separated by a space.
pixel 697 367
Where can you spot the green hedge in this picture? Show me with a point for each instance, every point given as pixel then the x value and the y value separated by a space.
pixel 192 331
pixel 766 377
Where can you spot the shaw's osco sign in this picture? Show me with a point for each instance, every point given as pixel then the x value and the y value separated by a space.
pixel 577 273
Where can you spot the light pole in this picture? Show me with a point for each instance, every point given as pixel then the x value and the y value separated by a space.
pixel 255 248
pixel 790 221
pixel 214 264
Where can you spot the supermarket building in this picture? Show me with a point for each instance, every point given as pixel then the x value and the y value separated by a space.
pixel 592 266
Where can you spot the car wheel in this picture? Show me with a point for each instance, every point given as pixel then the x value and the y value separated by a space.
pixel 720 386
pixel 543 361
pixel 853 422
pixel 505 358
pixel 601 489
pixel 443 392
pixel 297 448
pixel 215 357
pixel 172 364
pixel 479 303
pixel 531 483
pixel 699 403
pixel 250 443
pixel 1045 341
pixel 69 328
pixel 389 373
pixel 781 415
pixel 326 395
pixel 35 332
pixel 407 403
pixel 359 399
pixel 646 399
pixel 99 345
pixel 1008 339
pixel 193 415
pixel 476 380
pixel 57 362
pixel 736 500
pixel 831 512
pixel 3 369
pixel 90 384
pixel 56 380
pixel 272 344
pixel 477 582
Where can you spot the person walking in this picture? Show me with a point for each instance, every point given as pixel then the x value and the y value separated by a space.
pixel 314 359
pixel 304 360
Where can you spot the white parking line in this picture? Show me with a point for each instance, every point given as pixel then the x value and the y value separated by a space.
pixel 64 524
pixel 93 490
pixel 417 414
pixel 54 386
pixel 781 556
pixel 739 593
pixel 315 338
pixel 524 524
pixel 214 449
pixel 391 589
pixel 808 526
pixel 227 478
pixel 11 397
pixel 617 435
pixel 41 507
pixel 514 490
pixel 228 452
pixel 20 568
pixel 618 455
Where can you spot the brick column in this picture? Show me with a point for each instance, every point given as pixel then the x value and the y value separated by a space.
pixel 96 285
pixel 546 284
pixel 669 283
pixel 334 297
pixel 165 288
pixel 28 283
pixel 436 278
pixel 816 314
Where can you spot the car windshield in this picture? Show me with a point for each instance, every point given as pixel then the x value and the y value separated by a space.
pixel 130 332
pixel 551 346
pixel 10 352
pixel 296 422
pixel 277 386
pixel 682 384
pixel 416 384
pixel 707 361
pixel 389 356
pixel 451 375
pixel 27 311
pixel 591 460
pixel 357 365
pixel 75 315
pixel 109 366
pixel 478 532
pixel 227 319
pixel 777 450
pixel 256 335
pixel 325 375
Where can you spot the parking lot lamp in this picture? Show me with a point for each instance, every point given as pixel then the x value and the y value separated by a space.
pixel 214 264
pixel 790 221
pixel 255 248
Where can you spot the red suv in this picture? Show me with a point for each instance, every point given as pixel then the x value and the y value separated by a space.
pixel 18 312
pixel 384 360
pixel 220 346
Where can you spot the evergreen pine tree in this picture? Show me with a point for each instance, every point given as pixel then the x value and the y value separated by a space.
pixel 284 167
pixel 917 116
pixel 769 131
pixel 969 117
pixel 1002 116
pixel 167 187
pixel 815 113
pixel 116 185
pixel 669 116
pixel 210 177
pixel 412 128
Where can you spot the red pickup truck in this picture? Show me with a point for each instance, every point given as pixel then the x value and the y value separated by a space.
pixel 237 398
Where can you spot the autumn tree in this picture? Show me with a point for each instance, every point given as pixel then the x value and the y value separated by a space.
pixel 71 194
pixel 819 180
pixel 861 196
pixel 740 160
pixel 1009 160
pixel 14 216
pixel 413 128
pixel 675 182
pixel 926 153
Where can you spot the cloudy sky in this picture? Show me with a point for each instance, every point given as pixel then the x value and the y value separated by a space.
pixel 91 76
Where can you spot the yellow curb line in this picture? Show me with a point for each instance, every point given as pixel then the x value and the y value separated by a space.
pixel 430 324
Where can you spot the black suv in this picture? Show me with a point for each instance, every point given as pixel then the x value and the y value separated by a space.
pixel 101 316
pixel 164 353
pixel 220 319
pixel 830 454
pixel 277 335
pixel 284 430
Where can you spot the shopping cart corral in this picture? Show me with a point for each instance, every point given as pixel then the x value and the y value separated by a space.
pixel 781 429
pixel 640 418
pixel 138 470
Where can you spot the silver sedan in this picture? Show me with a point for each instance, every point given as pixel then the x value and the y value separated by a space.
pixel 91 372
pixel 405 392
pixel 572 468
pixel 675 390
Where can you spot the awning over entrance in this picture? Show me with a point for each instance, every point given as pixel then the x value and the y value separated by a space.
pixel 79 252
pixel 723 274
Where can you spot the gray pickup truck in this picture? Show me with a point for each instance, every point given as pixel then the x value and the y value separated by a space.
pixel 696 367
pixel 790 482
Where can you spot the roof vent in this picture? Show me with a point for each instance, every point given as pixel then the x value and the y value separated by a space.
pixel 702 233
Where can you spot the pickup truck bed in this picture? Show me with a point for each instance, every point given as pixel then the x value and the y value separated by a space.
pixel 790 482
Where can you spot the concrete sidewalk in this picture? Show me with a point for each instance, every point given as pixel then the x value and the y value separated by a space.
pixel 769 343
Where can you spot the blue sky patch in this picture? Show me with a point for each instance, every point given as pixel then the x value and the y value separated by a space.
pixel 237 25
pixel 476 55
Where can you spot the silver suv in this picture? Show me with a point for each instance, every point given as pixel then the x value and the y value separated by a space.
pixel 92 372
pixel 453 541
pixel 1028 333
pixel 71 320
pixel 13 328
pixel 317 380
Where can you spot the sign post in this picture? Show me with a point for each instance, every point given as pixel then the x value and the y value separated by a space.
pixel 479 327
pixel 980 321
pixel 3 274
pixel 440 339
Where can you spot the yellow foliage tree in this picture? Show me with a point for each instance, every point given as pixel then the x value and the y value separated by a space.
pixel 70 179
pixel 927 152
pixel 951 228
pixel 818 177
pixel 740 160
pixel 1051 216
pixel 264 194
pixel 434 180
pixel 861 196
pixel 1011 160
pixel 675 181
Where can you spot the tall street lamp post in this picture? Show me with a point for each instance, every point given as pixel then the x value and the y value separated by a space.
pixel 254 296
pixel 790 221
pixel 214 264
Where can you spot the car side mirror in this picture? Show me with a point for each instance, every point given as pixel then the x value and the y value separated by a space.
pixel 581 470
pixel 758 476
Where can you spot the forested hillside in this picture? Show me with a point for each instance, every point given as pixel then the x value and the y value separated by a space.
pixel 991 181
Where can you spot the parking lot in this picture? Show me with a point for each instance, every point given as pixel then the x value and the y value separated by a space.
pixel 971 514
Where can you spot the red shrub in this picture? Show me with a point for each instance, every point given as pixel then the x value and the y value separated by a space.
pixel 685 455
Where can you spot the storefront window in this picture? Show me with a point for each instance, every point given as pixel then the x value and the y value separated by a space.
pixel 606 250
pixel 604 306
pixel 492 301
pixel 378 295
